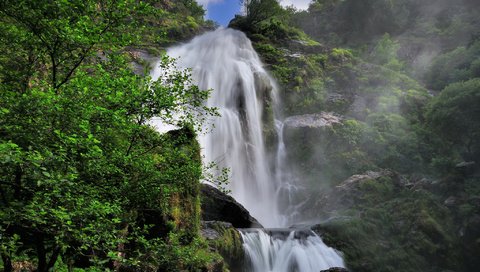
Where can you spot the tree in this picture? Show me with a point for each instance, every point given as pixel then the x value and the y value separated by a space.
pixel 460 64
pixel 257 11
pixel 455 116
pixel 81 169
pixel 65 33
pixel 385 53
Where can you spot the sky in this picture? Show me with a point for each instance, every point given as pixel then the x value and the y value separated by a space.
pixel 222 11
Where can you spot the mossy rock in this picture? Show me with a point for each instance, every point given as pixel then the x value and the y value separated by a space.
pixel 224 239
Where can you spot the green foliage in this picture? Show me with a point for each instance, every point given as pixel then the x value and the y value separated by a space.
pixel 390 228
pixel 213 174
pixel 260 10
pixel 85 178
pixel 385 53
pixel 378 60
pixel 61 34
pixel 454 116
pixel 459 64
pixel 341 54
pixel 268 19
pixel 175 256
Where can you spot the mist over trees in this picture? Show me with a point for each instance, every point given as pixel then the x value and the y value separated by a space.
pixel 403 76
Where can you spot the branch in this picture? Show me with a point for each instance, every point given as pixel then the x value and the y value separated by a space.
pixel 53 258
pixel 83 56
pixel 134 136
pixel 75 66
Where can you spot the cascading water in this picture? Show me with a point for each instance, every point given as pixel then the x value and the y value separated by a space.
pixel 225 61
pixel 287 251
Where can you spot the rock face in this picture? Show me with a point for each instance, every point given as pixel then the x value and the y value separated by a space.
pixel 304 47
pixel 312 121
pixel 217 206
pixel 141 60
pixel 306 136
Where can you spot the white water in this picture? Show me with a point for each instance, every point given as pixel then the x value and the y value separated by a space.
pixel 225 61
pixel 288 251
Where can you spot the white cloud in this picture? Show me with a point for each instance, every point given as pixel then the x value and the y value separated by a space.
pixel 206 2
pixel 299 4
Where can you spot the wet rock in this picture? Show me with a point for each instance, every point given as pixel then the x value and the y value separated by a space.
pixel 209 229
pixel 306 137
pixel 308 141
pixel 335 269
pixel 335 98
pixel 338 102
pixel 217 206
pixel 263 84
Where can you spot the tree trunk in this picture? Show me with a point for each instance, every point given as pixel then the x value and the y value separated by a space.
pixel 41 255
pixel 121 249
pixel 7 263
pixel 18 183
pixel 53 258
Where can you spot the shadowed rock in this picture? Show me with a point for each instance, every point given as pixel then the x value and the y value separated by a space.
pixel 217 206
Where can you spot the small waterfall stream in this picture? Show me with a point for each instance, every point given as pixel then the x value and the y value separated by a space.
pixel 287 251
pixel 225 61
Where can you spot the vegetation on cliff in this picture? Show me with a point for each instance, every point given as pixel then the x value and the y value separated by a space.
pixel 403 77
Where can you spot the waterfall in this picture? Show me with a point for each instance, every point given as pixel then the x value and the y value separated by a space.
pixel 225 61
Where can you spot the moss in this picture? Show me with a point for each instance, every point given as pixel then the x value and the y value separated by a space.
pixel 180 167
pixel 341 54
pixel 228 243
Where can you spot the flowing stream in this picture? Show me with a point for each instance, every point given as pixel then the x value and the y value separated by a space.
pixel 225 61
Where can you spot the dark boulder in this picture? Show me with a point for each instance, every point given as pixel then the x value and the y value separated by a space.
pixel 217 206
